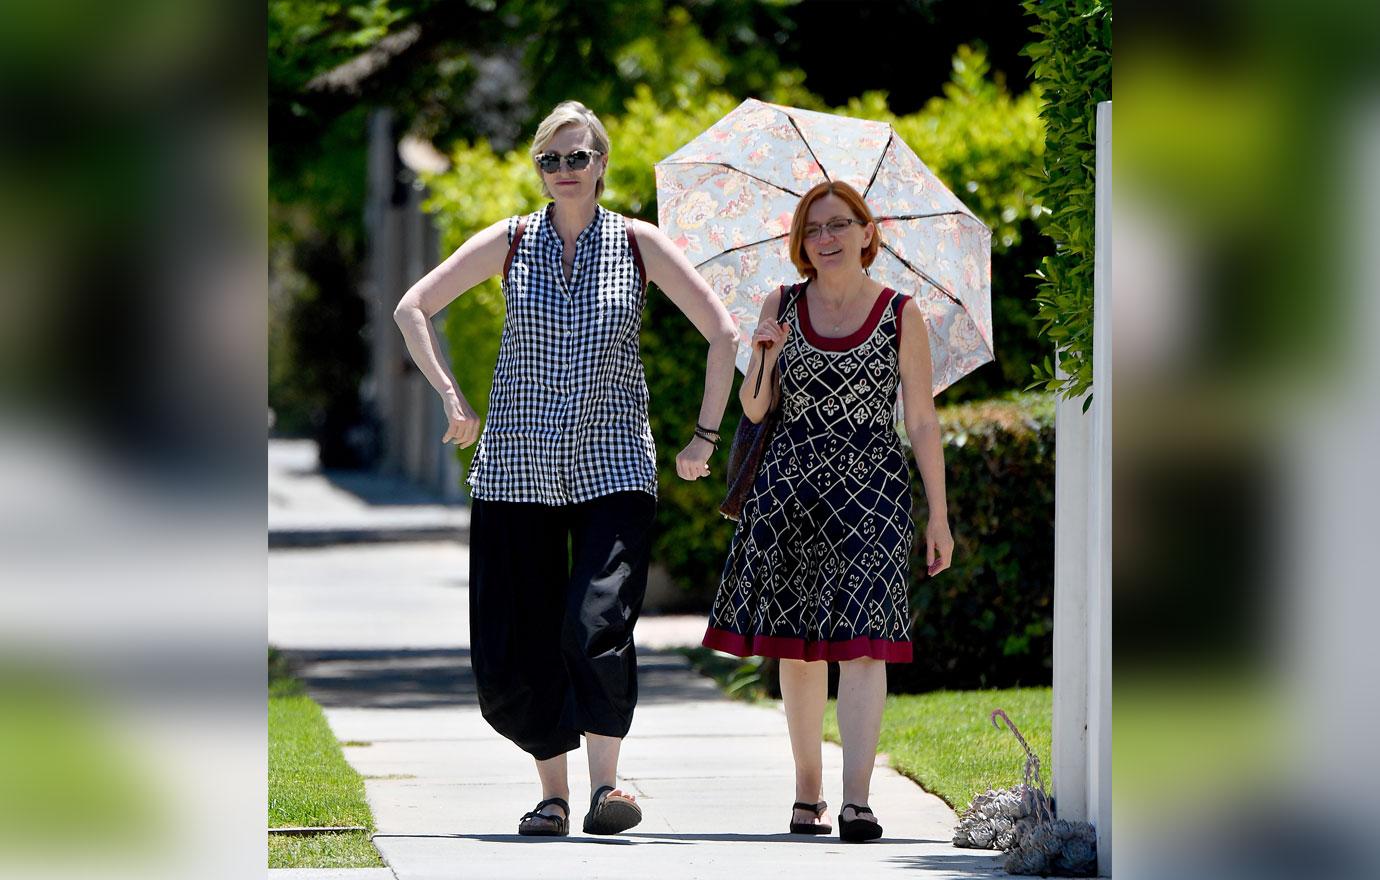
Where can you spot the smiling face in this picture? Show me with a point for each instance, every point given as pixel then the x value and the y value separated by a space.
pixel 564 183
pixel 835 248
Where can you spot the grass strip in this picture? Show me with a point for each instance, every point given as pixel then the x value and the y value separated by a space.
pixel 311 784
pixel 944 741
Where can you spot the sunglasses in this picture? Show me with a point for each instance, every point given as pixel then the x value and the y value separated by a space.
pixel 550 163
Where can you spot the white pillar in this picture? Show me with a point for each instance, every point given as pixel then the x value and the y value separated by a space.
pixel 1083 559
pixel 1071 643
pixel 1100 511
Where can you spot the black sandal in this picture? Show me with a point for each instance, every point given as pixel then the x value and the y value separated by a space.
pixel 559 827
pixel 858 830
pixel 810 827
pixel 609 814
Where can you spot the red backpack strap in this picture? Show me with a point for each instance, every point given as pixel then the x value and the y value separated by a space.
pixel 636 252
pixel 513 245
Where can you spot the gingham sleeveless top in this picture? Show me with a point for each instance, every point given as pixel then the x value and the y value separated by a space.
pixel 567 417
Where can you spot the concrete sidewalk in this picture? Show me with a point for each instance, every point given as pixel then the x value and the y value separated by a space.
pixel 379 632
pixel 309 508
pixel 379 635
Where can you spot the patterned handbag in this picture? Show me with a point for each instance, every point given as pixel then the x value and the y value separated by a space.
pixel 751 438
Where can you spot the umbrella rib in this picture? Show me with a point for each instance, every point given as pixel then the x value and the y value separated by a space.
pixel 818 164
pixel 739 248
pixel 923 216
pixel 878 167
pixel 740 171
pixel 935 284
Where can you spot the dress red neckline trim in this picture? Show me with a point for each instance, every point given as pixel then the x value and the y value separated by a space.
pixel 843 343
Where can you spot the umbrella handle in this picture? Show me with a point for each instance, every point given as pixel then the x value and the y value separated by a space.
pixel 761 368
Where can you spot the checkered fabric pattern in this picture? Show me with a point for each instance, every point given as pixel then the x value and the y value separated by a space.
pixel 567 417
pixel 819 560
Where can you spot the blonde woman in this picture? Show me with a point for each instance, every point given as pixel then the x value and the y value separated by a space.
pixel 564 478
pixel 818 566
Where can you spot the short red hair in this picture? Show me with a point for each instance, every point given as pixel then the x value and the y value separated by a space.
pixel 860 212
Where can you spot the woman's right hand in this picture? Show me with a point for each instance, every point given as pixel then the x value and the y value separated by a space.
pixel 772 337
pixel 463 427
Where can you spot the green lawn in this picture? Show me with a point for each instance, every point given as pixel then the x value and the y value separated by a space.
pixel 944 741
pixel 310 784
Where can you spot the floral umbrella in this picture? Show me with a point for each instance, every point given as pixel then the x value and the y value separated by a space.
pixel 727 197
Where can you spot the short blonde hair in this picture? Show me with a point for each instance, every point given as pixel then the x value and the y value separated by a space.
pixel 569 113
pixel 855 203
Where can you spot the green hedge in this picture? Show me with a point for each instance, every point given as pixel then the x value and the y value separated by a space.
pixel 988 620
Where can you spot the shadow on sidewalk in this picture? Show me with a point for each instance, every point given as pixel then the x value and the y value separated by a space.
pixel 967 863
pixel 442 677
pixel 674 839
pixel 378 490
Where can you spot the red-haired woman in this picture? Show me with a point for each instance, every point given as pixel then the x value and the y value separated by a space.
pixel 818 566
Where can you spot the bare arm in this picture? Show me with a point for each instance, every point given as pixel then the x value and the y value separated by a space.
pixel 922 427
pixel 478 258
pixel 668 268
pixel 755 406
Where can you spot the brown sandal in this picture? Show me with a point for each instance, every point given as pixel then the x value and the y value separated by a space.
pixel 559 827
pixel 610 814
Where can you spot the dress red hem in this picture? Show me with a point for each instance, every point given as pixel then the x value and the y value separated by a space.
pixel 799 649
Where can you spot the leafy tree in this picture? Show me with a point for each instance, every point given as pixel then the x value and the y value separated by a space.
pixel 976 133
pixel 1073 67
pixel 450 69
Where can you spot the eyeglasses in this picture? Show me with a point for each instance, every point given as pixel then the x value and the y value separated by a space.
pixel 836 227
pixel 578 160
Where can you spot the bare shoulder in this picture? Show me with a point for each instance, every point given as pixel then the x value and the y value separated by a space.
pixel 494 231
pixel 649 235
pixel 492 239
pixel 771 304
pixel 910 310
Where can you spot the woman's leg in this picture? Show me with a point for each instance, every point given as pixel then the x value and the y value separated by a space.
pixel 805 690
pixel 554 783
pixel 517 605
pixel 603 762
pixel 862 696
pixel 611 540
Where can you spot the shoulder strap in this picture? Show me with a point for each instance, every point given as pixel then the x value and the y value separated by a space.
pixel 636 251
pixel 513 245
pixel 788 295
pixel 898 303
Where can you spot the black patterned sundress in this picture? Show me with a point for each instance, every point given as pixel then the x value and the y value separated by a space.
pixel 819 561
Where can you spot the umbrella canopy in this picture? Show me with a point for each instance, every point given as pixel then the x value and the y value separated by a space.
pixel 727 197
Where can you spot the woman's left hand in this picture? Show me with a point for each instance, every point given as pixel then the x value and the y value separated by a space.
pixel 693 461
pixel 939 546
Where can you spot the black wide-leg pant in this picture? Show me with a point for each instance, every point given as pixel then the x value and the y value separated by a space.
pixel 554 594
